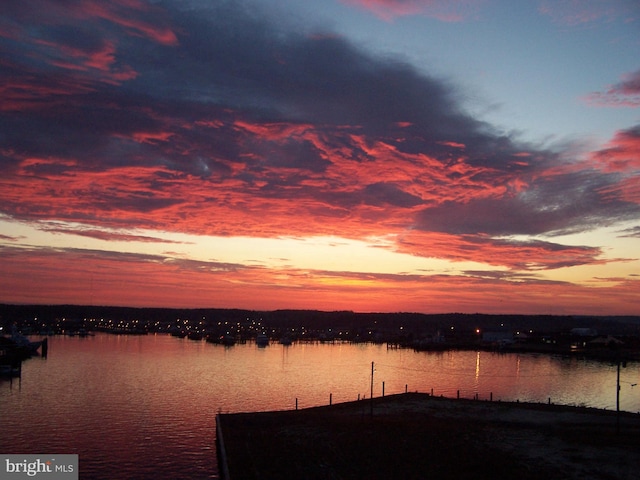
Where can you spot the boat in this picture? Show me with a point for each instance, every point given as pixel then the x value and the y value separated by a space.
pixel 262 340
pixel 23 344
pixel 178 333
pixel 195 336
pixel 286 340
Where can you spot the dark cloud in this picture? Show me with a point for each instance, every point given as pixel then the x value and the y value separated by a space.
pixel 226 109
pixel 633 232
pixel 556 204
pixel 106 235
pixel 509 276
pixel 382 193
pixel 10 238
pixel 625 93
pixel 228 58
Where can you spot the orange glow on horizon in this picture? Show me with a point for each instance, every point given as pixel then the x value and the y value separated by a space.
pixel 95 279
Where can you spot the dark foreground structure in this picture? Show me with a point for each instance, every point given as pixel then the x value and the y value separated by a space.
pixel 415 436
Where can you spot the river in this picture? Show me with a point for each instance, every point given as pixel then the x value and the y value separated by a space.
pixel 144 407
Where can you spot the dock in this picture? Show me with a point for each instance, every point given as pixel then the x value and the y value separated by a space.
pixel 414 435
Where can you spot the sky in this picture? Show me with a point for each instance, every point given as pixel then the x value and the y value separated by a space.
pixel 370 155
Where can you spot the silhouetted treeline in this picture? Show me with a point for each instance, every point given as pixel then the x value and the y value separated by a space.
pixel 415 324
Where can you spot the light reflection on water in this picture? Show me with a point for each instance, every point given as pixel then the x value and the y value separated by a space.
pixel 144 407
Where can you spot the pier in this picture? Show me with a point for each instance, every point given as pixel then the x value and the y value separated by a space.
pixel 416 435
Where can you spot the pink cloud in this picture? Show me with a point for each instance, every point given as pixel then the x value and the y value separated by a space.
pixel 626 93
pixel 119 12
pixel 627 190
pixel 517 256
pixel 621 154
pixel 100 63
pixel 453 144
pixel 152 137
pixel 29 93
pixel 137 17
pixel 92 54
pixel 443 10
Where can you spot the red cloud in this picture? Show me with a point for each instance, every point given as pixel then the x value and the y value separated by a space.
pixel 159 198
pixel 344 182
pixel 337 179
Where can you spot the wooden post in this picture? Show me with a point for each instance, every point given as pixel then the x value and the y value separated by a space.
pixel 458 395
pixel 371 397
pixel 383 389
pixel 296 403
pixel 331 399
pixel 406 388
pixel 618 400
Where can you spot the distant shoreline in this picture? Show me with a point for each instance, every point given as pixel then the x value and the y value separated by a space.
pixel 607 338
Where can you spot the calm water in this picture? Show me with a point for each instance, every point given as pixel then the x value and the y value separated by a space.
pixel 144 407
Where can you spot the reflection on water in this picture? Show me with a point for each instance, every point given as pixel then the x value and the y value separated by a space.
pixel 144 407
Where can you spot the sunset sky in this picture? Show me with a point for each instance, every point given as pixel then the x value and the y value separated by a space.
pixel 370 155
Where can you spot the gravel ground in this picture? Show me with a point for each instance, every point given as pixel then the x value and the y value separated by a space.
pixel 415 436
